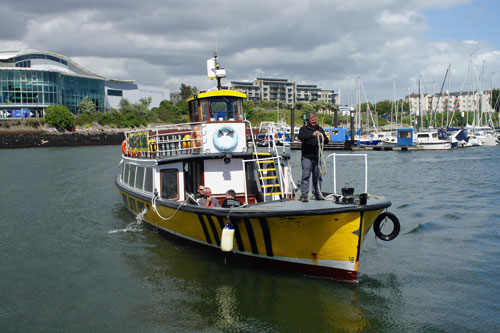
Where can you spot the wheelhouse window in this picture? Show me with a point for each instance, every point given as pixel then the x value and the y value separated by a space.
pixel 193 112
pixel 169 179
pixel 223 109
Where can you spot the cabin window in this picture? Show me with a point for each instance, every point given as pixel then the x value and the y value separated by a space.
pixel 404 134
pixel 148 180
pixel 139 178
pixel 125 173
pixel 131 178
pixel 169 184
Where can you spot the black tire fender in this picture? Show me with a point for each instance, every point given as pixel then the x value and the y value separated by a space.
pixel 395 223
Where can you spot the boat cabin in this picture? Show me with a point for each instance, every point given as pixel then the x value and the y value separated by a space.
pixel 211 150
pixel 407 137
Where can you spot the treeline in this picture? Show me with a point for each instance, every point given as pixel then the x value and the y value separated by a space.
pixel 130 115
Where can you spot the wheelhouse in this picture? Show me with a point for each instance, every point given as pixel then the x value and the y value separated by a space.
pixel 215 106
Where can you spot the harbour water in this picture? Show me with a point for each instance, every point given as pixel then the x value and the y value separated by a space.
pixel 73 259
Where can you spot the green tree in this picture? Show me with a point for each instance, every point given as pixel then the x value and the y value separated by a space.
pixel 496 99
pixel 249 109
pixel 187 91
pixel 383 107
pixel 181 112
pixel 60 117
pixel 165 112
pixel 86 106
pixel 146 101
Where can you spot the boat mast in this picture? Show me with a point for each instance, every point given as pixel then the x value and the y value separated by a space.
pixel 418 109
pixel 394 104
pixel 217 66
pixel 359 104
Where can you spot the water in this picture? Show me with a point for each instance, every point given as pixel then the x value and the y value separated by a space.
pixel 73 259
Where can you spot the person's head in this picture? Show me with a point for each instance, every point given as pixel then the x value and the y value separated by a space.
pixel 207 192
pixel 200 190
pixel 231 194
pixel 312 119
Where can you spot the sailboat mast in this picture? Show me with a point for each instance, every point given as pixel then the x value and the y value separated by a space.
pixel 418 109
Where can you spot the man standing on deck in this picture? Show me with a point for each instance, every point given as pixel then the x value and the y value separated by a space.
pixel 309 135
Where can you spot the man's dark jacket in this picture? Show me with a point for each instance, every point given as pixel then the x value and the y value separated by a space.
pixel 309 141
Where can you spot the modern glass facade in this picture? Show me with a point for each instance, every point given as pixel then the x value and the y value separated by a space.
pixel 36 89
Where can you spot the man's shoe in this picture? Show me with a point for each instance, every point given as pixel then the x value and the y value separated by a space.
pixel 303 198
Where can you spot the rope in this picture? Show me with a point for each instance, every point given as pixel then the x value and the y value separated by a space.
pixel 153 203
pixel 321 164
pixel 321 159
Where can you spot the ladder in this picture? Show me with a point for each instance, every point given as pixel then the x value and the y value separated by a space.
pixel 270 175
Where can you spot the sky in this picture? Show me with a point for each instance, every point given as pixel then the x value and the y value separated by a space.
pixel 379 48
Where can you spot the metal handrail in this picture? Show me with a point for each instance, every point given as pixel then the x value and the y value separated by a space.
pixel 334 155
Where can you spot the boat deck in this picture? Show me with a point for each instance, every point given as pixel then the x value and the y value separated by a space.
pixel 295 208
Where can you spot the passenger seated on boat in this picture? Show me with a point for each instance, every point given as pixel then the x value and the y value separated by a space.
pixel 208 200
pixel 199 192
pixel 230 200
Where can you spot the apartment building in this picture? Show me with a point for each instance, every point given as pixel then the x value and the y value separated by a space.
pixel 272 89
pixel 451 102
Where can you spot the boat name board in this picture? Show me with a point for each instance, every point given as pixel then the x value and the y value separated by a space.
pixel 138 141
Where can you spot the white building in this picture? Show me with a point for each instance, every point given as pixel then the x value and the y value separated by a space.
pixel 450 102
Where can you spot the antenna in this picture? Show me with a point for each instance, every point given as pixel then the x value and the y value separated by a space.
pixel 216 49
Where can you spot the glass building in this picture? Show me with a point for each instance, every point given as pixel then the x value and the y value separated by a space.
pixel 30 81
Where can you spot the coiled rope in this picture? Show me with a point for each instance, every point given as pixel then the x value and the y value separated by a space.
pixel 321 164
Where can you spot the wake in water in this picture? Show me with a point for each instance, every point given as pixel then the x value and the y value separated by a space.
pixel 135 226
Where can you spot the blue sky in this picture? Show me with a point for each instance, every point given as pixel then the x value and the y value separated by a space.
pixel 331 43
pixel 478 20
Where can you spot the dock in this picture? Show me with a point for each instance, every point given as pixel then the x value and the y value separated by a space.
pixel 348 146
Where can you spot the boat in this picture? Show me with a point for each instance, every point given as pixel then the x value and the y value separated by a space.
pixel 429 140
pixel 486 136
pixel 161 168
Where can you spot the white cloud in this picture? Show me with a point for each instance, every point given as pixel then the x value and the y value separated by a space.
pixel 324 42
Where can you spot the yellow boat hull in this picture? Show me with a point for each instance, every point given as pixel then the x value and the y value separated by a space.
pixel 324 245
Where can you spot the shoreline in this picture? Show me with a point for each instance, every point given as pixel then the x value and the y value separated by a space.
pixel 15 138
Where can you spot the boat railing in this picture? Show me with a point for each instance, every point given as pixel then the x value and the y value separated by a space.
pixel 269 169
pixel 165 141
pixel 335 156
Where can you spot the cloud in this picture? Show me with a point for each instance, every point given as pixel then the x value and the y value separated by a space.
pixel 326 42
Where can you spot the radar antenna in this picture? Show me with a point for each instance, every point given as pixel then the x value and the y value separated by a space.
pixel 214 71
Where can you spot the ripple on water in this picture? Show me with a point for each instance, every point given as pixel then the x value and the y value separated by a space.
pixel 423 228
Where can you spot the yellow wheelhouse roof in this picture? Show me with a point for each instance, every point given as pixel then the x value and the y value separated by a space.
pixel 217 93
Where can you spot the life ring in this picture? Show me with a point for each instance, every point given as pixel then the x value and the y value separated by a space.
pixel 225 139
pixel 124 146
pixel 395 223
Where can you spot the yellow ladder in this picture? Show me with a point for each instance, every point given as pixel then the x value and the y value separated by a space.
pixel 272 181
